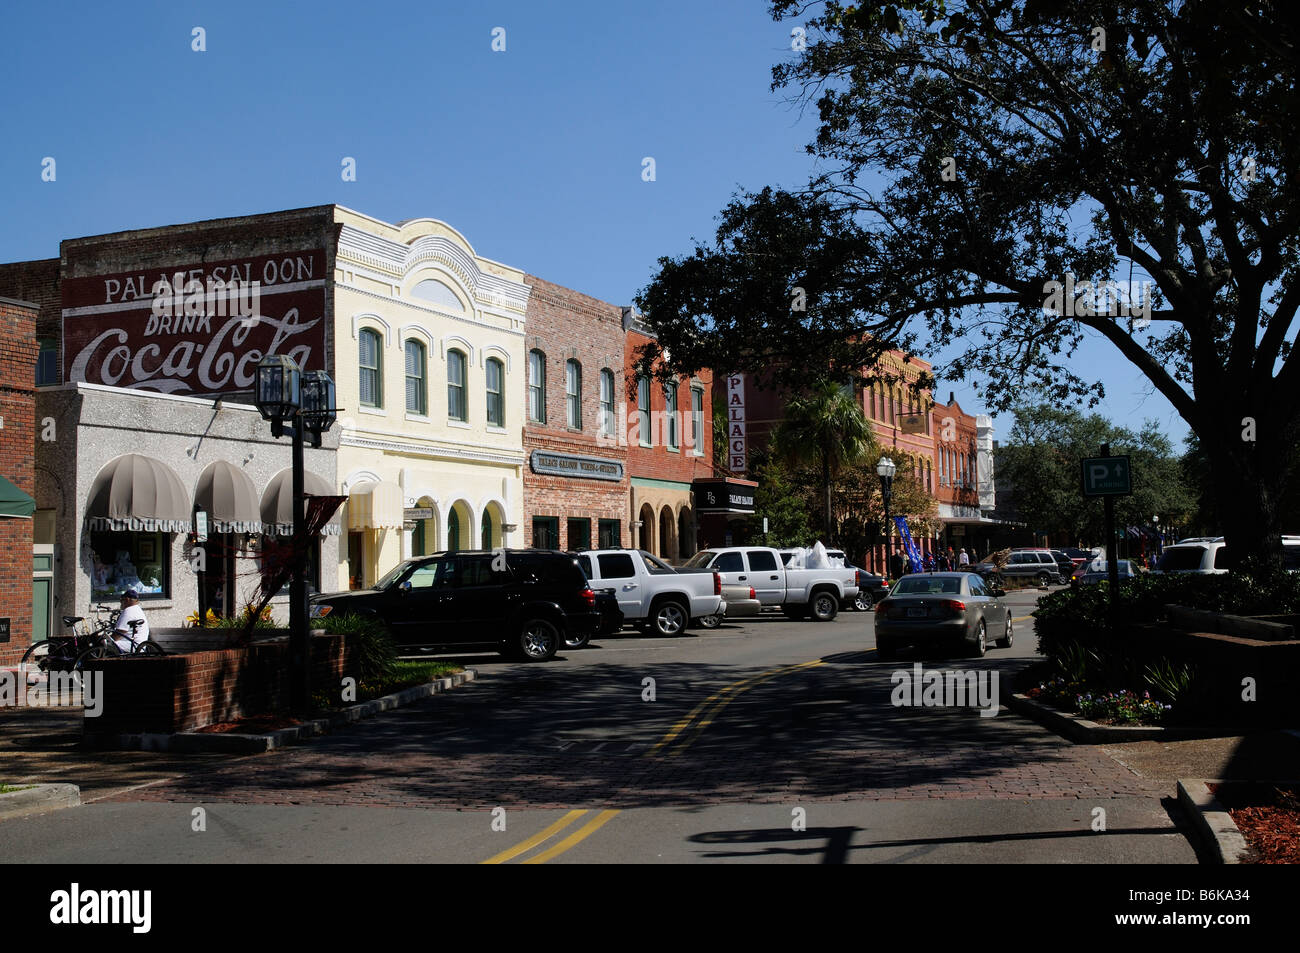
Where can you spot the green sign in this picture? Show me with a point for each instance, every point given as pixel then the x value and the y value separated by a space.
pixel 1107 476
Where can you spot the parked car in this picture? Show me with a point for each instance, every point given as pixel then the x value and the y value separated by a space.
pixel 871 587
pixel 942 608
pixel 1209 555
pixel 611 616
pixel 1064 564
pixel 738 602
pixel 1037 564
pixel 799 592
pixel 527 603
pixel 1079 557
pixel 1099 572
pixel 652 593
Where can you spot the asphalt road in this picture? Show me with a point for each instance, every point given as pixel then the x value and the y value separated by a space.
pixel 770 741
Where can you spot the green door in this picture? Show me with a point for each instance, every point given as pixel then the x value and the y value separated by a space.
pixel 42 593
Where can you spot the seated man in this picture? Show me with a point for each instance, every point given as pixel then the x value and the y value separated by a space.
pixel 131 612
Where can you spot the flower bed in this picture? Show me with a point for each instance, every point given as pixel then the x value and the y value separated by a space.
pixel 1267 815
pixel 1108 708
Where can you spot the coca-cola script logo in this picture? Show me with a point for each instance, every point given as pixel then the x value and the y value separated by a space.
pixel 115 333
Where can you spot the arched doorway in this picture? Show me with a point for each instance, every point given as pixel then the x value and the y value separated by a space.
pixel 667 534
pixel 647 518
pixel 424 535
pixel 490 528
pixel 685 534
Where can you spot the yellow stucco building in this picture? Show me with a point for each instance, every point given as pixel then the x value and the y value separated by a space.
pixel 430 365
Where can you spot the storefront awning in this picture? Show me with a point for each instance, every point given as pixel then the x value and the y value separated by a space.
pixel 14 502
pixel 375 506
pixel 277 502
pixel 136 493
pixel 229 497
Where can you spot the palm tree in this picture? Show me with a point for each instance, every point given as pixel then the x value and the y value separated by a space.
pixel 824 427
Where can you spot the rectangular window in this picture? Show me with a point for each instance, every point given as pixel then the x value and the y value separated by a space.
pixel 496 403
pixel 697 421
pixel 573 393
pixel 643 411
pixel 370 369
pixel 456 409
pixel 537 386
pixel 47 362
pixel 579 531
pixel 607 403
pixel 670 415
pixel 611 534
pixel 546 532
pixel 122 561
pixel 416 393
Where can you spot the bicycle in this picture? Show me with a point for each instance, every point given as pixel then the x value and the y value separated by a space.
pixel 60 653
pixel 106 645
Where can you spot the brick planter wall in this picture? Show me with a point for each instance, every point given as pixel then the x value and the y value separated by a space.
pixel 184 692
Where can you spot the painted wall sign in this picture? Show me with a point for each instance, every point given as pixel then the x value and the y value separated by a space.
pixel 737 455
pixel 197 328
pixel 568 465
pixel 413 513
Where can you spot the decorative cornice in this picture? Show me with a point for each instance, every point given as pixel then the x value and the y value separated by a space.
pixel 432 453
pixel 445 315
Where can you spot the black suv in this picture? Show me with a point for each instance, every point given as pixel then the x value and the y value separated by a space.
pixel 525 602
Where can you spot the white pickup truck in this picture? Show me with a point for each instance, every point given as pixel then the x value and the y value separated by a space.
pixel 799 592
pixel 651 592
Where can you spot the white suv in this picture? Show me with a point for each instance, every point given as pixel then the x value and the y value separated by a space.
pixel 1208 555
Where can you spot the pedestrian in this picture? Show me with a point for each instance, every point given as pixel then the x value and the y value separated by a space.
pixel 896 565
pixel 944 565
pixel 963 558
pixel 131 612
pixel 929 562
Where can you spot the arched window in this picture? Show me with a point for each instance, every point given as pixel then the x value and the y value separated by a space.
pixel 453 530
pixel 371 361
pixel 607 402
pixel 537 386
pixel 417 400
pixel 573 394
pixel 496 399
pixel 643 410
pixel 456 409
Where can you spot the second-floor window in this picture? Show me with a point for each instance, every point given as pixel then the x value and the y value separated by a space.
pixel 417 393
pixel 47 362
pixel 607 402
pixel 697 421
pixel 496 402
pixel 537 386
pixel 643 410
pixel 670 415
pixel 371 358
pixel 456 409
pixel 573 394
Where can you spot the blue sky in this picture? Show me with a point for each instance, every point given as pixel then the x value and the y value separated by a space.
pixel 534 154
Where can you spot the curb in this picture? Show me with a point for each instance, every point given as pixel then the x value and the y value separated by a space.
pixel 1089 732
pixel 38 799
pixel 1212 822
pixel 195 742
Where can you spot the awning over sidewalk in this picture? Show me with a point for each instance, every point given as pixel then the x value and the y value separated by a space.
pixel 138 494
pixel 228 496
pixel 375 506
pixel 277 502
pixel 14 502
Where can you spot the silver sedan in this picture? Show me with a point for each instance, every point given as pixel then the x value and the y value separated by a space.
pixel 942 608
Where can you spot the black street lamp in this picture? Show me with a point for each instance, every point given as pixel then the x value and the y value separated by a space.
pixel 305 403
pixel 886 469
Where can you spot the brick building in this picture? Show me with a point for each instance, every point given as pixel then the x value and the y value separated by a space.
pixel 18 351
pixel 669 448
pixel 576 478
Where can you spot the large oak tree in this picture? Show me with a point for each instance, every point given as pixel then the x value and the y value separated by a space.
pixel 970 153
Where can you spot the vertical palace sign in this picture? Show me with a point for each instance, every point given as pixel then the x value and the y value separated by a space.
pixel 197 328
pixel 737 458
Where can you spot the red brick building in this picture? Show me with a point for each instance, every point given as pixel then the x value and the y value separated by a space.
pixel 959 472
pixel 576 476
pixel 17 475
pixel 669 447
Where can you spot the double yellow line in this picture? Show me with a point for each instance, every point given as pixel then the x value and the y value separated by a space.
pixel 684 733
pixel 583 832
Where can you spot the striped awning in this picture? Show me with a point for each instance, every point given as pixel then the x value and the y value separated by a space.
pixel 138 494
pixel 277 502
pixel 375 506
pixel 229 497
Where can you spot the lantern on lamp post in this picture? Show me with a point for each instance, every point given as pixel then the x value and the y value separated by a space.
pixel 303 402
pixel 886 469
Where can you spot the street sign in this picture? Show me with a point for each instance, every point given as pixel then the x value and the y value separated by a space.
pixel 1107 476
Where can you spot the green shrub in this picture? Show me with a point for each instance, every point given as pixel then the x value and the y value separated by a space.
pixel 370 641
